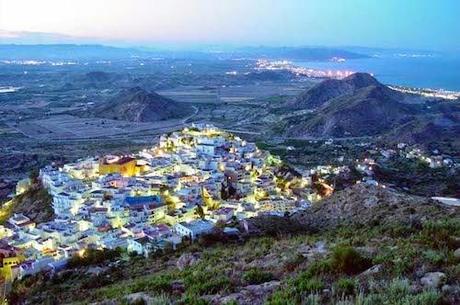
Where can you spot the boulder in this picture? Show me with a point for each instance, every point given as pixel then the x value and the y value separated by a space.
pixel 249 295
pixel 138 297
pixel 433 279
pixel 457 253
pixel 187 260
pixel 372 270
pixel 319 249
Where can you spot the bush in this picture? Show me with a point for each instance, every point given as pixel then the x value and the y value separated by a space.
pixel 193 300
pixel 438 234
pixel 199 281
pixel 293 263
pixel 435 258
pixel 345 286
pixel 305 284
pixel 257 276
pixel 398 293
pixel 282 297
pixel 347 260
pixel 319 267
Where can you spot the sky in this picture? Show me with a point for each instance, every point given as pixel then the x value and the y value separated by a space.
pixel 416 24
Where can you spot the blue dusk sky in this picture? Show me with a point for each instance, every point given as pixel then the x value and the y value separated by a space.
pixel 415 24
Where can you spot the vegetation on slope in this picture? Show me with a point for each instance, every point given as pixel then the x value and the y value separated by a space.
pixel 376 263
pixel 35 203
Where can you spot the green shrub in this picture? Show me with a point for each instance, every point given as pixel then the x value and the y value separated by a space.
pixel 424 298
pixel 305 284
pixel 346 259
pixel 257 276
pixel 345 286
pixel 200 281
pixel 435 258
pixel 312 299
pixel 193 300
pixel 438 234
pixel 397 290
pixel 293 262
pixel 399 260
pixel 282 297
pixel 319 267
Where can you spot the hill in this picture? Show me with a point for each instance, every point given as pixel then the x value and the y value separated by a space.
pixel 332 88
pixel 360 106
pixel 138 105
pixel 435 131
pixel 359 110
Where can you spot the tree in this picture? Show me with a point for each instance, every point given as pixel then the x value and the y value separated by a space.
pixel 199 210
pixel 33 176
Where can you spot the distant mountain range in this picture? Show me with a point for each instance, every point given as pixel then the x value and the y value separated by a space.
pixel 65 52
pixel 103 52
pixel 138 105
pixel 361 106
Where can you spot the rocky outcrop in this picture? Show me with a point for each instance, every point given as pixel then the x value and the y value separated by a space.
pixel 187 260
pixel 249 295
pixel 364 204
pixel 433 280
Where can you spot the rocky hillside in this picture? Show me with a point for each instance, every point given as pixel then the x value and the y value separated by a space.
pixel 439 131
pixel 327 90
pixel 365 205
pixel 364 245
pixel 360 106
pixel 138 105
pixel 368 111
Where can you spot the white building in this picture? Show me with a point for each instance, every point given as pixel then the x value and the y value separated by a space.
pixel 66 204
pixel 194 229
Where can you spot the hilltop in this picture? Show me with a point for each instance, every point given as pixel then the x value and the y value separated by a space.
pixel 329 89
pixel 138 105
pixel 368 111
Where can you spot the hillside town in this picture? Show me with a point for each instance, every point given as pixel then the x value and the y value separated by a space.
pixel 193 181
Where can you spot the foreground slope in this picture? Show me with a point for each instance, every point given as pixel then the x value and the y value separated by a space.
pixel 364 245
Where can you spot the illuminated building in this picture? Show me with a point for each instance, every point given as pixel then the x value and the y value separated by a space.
pixel 126 166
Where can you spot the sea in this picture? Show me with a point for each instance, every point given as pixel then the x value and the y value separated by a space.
pixel 417 70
